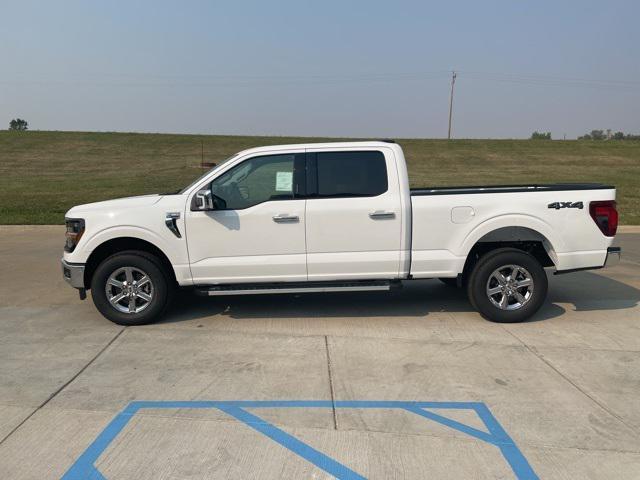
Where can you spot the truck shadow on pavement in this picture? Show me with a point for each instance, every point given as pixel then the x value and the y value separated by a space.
pixel 585 291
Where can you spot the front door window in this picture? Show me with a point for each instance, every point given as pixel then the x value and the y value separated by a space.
pixel 254 181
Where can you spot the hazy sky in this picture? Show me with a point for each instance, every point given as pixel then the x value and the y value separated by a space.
pixel 339 68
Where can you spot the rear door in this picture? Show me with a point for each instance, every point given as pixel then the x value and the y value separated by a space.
pixel 353 214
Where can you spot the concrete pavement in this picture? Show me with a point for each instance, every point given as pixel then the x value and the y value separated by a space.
pixel 564 386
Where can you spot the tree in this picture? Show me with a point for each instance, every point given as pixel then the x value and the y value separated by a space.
pixel 541 135
pixel 18 124
pixel 600 135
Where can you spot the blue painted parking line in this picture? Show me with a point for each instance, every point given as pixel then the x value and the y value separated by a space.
pixel 84 468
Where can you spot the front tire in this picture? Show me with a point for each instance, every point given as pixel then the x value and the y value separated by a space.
pixel 507 285
pixel 131 288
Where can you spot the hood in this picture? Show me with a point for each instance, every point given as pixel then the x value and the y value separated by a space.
pixel 113 206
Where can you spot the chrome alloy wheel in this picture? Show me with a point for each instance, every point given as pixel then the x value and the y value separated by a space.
pixel 129 290
pixel 510 287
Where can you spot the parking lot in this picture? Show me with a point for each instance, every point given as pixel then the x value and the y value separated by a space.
pixel 408 384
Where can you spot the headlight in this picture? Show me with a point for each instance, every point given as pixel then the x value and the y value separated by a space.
pixel 75 229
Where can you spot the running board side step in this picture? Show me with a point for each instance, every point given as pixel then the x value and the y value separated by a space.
pixel 295 287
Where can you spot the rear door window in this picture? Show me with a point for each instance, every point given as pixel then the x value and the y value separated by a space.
pixel 351 174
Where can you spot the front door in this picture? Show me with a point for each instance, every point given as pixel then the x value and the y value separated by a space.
pixel 257 231
pixel 353 215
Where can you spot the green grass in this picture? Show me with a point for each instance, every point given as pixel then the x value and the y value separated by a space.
pixel 43 174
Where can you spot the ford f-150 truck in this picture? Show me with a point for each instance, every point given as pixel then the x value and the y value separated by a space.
pixel 334 217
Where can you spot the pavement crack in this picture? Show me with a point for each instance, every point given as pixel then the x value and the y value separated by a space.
pixel 465 347
pixel 65 385
pixel 568 380
pixel 581 390
pixel 333 399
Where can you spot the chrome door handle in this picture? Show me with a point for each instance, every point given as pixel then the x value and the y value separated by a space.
pixel 381 214
pixel 284 218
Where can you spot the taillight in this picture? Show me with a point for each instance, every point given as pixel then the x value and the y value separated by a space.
pixel 605 215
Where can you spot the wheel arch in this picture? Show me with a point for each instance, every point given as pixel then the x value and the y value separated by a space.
pixel 516 224
pixel 120 244
pixel 522 238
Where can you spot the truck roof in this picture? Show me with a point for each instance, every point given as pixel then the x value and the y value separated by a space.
pixel 331 145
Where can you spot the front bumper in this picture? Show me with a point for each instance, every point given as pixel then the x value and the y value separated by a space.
pixel 73 273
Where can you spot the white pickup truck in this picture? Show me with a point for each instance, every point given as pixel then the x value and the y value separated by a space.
pixel 334 217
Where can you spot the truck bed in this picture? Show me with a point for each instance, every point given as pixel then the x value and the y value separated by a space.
pixel 446 222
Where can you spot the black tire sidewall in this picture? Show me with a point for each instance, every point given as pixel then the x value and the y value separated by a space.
pixel 494 260
pixel 152 268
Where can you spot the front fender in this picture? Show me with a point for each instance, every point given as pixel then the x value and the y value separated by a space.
pixel 130 231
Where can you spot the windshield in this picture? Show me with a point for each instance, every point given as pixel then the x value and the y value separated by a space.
pixel 197 180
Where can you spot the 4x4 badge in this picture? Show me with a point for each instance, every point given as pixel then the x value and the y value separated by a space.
pixel 559 205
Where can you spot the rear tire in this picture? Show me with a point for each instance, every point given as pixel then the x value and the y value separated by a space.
pixel 507 285
pixel 131 288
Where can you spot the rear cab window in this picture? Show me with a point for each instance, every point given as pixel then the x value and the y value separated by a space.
pixel 346 174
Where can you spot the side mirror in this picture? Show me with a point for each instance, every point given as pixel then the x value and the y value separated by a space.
pixel 202 200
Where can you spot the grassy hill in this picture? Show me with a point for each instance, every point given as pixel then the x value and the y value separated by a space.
pixel 42 174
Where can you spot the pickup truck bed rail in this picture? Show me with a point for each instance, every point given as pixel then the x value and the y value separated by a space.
pixel 553 187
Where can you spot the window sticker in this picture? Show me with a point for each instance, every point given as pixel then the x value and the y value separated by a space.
pixel 284 181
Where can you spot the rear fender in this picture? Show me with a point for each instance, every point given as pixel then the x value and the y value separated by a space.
pixel 553 244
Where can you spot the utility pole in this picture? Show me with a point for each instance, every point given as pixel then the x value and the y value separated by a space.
pixel 453 82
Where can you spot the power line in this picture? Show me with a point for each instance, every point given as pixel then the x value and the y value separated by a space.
pixel 240 80
pixel 552 78
pixel 551 81
pixel 218 79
